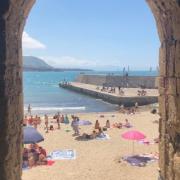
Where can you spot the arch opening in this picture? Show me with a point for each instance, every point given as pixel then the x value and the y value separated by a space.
pixel 13 15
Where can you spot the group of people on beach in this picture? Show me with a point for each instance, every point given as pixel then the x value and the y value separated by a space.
pixel 32 121
pixel 34 155
pixel 120 125
pixel 60 118
pixel 98 131
pixel 129 110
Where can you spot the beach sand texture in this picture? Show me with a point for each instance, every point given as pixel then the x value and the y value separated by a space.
pixel 96 159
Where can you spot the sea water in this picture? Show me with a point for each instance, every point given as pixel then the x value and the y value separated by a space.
pixel 42 91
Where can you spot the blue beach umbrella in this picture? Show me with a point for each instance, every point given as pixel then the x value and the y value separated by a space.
pixel 31 135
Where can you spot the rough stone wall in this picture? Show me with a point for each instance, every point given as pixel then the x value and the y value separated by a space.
pixel 91 79
pixel 13 14
pixel 167 15
pixel 130 81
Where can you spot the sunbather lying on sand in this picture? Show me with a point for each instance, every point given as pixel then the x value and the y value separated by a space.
pixel 117 125
pixel 86 136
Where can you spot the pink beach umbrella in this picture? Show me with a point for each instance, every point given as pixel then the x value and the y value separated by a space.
pixel 134 136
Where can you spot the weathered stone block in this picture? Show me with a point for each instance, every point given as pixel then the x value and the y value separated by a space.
pixel 177 59
pixel 162 61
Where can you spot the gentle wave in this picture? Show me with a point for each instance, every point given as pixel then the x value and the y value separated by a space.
pixel 56 108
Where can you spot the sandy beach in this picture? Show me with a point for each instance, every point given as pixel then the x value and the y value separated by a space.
pixel 99 159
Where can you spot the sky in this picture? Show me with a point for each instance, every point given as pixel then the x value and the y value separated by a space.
pixel 95 34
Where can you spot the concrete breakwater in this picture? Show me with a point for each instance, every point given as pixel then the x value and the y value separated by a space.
pixel 127 101
pixel 123 81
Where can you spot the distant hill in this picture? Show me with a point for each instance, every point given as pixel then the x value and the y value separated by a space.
pixel 31 63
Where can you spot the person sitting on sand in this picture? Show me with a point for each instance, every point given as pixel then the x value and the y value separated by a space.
pixel 93 135
pixel 31 160
pixel 42 160
pixel 97 125
pixel 42 151
pixel 107 124
pixel 127 124
pixel 51 128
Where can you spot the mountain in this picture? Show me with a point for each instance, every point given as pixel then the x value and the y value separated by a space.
pixel 35 64
pixel 31 63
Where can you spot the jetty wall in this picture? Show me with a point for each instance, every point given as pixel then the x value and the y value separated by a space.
pixel 149 82
pixel 126 101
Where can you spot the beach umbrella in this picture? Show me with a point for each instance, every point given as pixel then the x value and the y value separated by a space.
pixel 31 135
pixel 134 136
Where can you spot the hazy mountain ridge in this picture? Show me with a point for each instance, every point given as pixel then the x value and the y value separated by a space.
pixel 31 63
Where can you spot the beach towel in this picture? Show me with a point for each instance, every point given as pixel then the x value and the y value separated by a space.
pixel 125 126
pixel 140 160
pixel 67 154
pixel 146 142
pixel 50 162
pixel 105 137
pixel 84 123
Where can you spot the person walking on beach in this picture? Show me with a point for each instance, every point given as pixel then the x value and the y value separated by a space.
pixel 58 120
pixel 46 122
pixel 29 109
pixel 75 126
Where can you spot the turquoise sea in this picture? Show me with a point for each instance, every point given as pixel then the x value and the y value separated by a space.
pixel 41 90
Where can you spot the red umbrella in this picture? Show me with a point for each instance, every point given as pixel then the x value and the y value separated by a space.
pixel 133 135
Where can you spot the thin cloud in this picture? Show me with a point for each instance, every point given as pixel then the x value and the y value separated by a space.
pixel 73 62
pixel 31 43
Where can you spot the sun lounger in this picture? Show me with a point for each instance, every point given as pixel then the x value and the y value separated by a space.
pixel 140 160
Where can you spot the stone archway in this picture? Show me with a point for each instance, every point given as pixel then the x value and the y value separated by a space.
pixel 13 14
